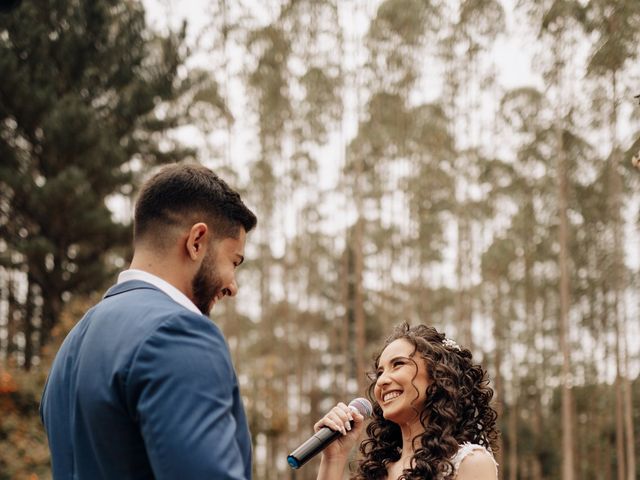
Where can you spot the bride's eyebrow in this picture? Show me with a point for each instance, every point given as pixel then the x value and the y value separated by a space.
pixel 397 357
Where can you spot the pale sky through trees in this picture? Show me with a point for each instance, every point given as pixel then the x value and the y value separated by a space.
pixel 514 54
pixel 513 60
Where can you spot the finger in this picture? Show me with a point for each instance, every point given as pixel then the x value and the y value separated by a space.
pixel 338 419
pixel 348 411
pixel 323 422
pixel 335 424
pixel 333 421
pixel 345 414
pixel 328 423
pixel 341 419
pixel 357 416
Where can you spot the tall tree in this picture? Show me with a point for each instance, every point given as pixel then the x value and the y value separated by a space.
pixel 86 92
pixel 395 142
pixel 468 60
pixel 617 24
pixel 523 180
pixel 294 88
pixel 375 157
pixel 557 20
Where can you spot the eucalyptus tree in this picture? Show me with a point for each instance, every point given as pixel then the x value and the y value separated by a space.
pixel 310 267
pixel 86 93
pixel 317 112
pixel 617 26
pixel 430 188
pixel 558 22
pixel 268 86
pixel 496 263
pixel 520 183
pixel 466 50
pixel 593 293
pixel 295 91
pixel 524 184
pixel 379 155
pixel 393 153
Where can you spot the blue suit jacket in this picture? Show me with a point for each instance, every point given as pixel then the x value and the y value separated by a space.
pixel 143 388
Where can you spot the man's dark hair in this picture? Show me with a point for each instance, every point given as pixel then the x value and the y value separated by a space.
pixel 182 194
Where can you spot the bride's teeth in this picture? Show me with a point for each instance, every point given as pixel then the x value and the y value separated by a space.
pixel 391 396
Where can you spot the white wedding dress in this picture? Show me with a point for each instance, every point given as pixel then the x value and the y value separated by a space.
pixel 465 450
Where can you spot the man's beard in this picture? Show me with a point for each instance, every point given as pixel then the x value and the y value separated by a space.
pixel 205 285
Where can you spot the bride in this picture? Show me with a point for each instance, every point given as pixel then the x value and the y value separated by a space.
pixel 432 417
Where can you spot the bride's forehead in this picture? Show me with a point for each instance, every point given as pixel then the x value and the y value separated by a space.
pixel 398 348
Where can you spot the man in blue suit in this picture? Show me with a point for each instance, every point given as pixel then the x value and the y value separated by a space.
pixel 143 386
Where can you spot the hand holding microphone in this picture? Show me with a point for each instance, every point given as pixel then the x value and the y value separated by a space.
pixel 336 432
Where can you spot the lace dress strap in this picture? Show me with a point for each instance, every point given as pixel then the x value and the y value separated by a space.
pixel 466 449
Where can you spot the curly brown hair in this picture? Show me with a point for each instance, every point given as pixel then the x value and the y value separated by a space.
pixel 457 409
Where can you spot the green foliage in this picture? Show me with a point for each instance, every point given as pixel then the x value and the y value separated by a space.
pixel 593 411
pixel 617 23
pixel 482 20
pixel 521 109
pixel 83 87
pixel 269 81
pixel 321 106
pixel 557 14
pixel 404 18
pixel 24 452
pixel 394 38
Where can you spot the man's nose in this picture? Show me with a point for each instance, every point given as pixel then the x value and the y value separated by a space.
pixel 232 289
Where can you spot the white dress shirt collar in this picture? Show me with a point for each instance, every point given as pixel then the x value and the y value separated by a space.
pixel 166 287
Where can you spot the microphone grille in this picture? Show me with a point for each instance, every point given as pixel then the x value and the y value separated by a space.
pixel 362 405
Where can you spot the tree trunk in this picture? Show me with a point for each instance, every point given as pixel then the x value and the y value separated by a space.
pixel 534 399
pixel 596 421
pixel 568 448
pixel 27 327
pixel 620 450
pixel 463 272
pixel 536 464
pixel 342 330
pixel 624 416
pixel 628 413
pixel 499 384
pixel 359 305
pixel 513 435
pixel 13 311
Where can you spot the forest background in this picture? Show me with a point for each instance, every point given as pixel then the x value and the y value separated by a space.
pixel 396 177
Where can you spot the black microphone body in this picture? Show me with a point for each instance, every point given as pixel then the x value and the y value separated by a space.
pixel 314 445
pixel 324 437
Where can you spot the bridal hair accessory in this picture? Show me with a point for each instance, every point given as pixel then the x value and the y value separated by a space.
pixel 447 342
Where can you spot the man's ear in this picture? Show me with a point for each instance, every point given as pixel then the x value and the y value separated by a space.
pixel 197 240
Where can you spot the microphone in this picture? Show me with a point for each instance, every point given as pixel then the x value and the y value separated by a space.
pixel 323 437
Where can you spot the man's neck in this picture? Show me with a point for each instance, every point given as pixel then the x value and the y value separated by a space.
pixel 163 268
